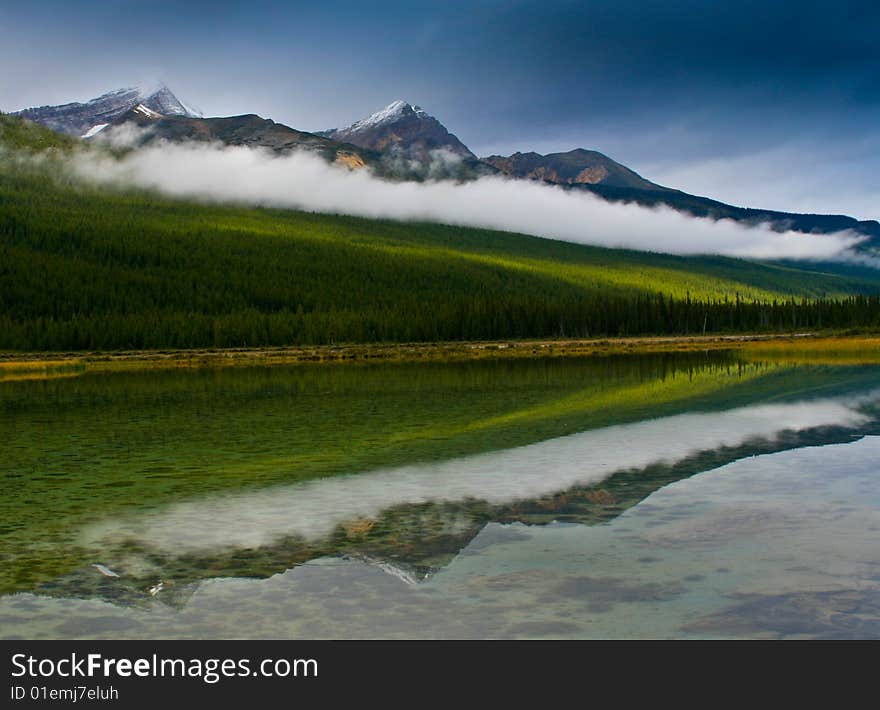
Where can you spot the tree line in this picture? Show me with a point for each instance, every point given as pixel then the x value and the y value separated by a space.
pixel 458 319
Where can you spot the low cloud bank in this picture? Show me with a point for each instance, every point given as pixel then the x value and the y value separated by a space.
pixel 306 182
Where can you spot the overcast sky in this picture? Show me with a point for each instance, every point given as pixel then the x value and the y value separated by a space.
pixel 769 104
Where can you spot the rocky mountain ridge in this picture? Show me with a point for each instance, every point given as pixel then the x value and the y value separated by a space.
pixel 86 119
pixel 402 141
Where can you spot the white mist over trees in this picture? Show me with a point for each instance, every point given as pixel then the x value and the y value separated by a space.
pixel 299 181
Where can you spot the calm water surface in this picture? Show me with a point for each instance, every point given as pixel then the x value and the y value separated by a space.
pixel 638 496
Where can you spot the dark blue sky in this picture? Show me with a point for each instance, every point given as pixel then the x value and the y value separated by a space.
pixel 768 103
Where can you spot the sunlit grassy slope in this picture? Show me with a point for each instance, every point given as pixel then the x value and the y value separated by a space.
pixel 89 268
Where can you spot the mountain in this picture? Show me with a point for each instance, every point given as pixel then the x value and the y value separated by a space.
pixel 576 167
pixel 247 130
pixel 597 173
pixel 414 144
pixel 402 128
pixel 104 268
pixel 697 206
pixel 403 142
pixel 87 119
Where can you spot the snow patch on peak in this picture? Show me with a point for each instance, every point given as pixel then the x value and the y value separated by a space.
pixel 94 130
pixel 144 111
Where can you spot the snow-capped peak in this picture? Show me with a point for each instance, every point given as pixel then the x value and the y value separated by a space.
pixel 158 96
pixel 153 95
pixel 391 113
pixel 78 119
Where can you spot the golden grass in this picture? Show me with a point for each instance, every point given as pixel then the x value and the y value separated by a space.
pixel 806 348
pixel 29 365
pixel 831 350
pixel 39 369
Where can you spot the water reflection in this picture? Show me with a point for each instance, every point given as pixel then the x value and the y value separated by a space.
pixel 492 529
pixel 453 498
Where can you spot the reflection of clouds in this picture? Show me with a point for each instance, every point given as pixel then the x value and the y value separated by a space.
pixel 312 509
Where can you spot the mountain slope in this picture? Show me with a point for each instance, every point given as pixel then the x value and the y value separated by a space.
pixel 88 268
pixel 248 130
pixel 414 144
pixel 576 167
pixel 707 207
pixel 27 137
pixel 403 142
pixel 79 119
pixel 593 171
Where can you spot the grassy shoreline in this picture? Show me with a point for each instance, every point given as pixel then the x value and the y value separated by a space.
pixel 799 346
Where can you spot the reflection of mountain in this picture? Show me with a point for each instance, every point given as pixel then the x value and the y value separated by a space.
pixel 412 520
pixel 182 476
pixel 111 446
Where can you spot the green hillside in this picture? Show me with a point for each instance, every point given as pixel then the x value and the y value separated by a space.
pixel 89 268
pixel 18 134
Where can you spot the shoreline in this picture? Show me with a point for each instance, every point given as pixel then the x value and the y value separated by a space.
pixel 802 344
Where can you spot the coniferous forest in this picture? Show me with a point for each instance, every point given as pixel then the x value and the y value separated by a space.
pixel 88 268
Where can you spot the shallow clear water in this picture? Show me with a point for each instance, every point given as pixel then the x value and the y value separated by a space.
pixel 638 496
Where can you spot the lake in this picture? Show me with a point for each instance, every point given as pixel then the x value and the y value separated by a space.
pixel 697 495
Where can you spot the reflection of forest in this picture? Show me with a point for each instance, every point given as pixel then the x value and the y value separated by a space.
pixel 95 451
